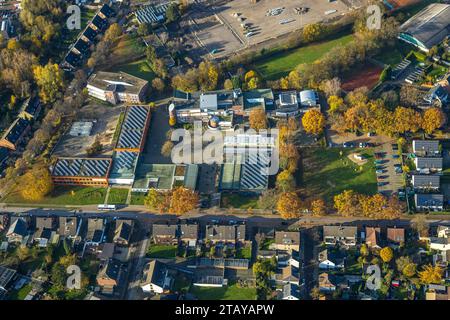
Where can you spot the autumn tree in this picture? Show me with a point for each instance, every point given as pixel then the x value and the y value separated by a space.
pixel 113 32
pixel 157 200
pixel 289 205
pixel 410 270
pixel 166 149
pixel 158 84
pixel 50 82
pixel 313 122
pixel 347 203
pixel 433 119
pixel 336 104
pixel 318 208
pixel 407 120
pixel 313 32
pixel 228 84
pixel 36 183
pixel 258 119
pixel 285 181
pixel 386 254
pixel 183 200
pixel 430 274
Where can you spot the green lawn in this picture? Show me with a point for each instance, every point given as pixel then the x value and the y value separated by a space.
pixel 21 293
pixel 267 243
pixel 328 172
pixel 137 198
pixel 162 251
pixel 118 196
pixel 279 65
pixel 244 253
pixel 231 292
pixel 138 68
pixel 239 201
pixel 64 195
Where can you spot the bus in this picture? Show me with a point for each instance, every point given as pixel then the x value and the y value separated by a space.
pixel 107 207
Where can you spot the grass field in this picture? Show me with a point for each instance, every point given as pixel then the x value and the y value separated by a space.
pixel 238 201
pixel 162 251
pixel 137 198
pixel 328 172
pixel 64 195
pixel 231 292
pixel 279 65
pixel 244 253
pixel 117 196
pixel 138 68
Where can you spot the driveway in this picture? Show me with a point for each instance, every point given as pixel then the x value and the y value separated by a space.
pixel 391 180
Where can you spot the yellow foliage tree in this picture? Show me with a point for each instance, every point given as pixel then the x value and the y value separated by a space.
pixel 313 122
pixel 386 254
pixel 183 200
pixel 433 119
pixel 318 208
pixel 289 205
pixel 431 274
pixel 49 79
pixel 258 119
pixel 36 184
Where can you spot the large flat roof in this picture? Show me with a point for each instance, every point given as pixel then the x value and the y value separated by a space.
pixel 82 167
pixel 117 82
pixel 133 127
pixel 430 26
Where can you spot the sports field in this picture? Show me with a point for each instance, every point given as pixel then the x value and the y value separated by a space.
pixel 280 64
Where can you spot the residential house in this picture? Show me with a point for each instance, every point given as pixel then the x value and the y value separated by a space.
pixel 165 233
pixel 123 232
pixel 396 235
pixel 288 274
pixel 440 244
pixel 443 232
pixel 156 278
pixel 373 237
pixel 326 283
pixel 427 164
pixel 108 276
pixel 17 231
pixel 291 292
pixel 225 233
pixel 437 94
pixel 69 228
pixel 330 260
pixel 30 108
pixel 105 251
pixel 309 98
pixel 429 202
pixel 438 292
pixel 295 259
pixel 287 104
pixel 6 277
pixel 344 235
pixel 95 231
pixel 189 234
pixel 14 135
pixel 426 182
pixel 4 221
pixel 44 230
pixel 426 148
pixel 287 240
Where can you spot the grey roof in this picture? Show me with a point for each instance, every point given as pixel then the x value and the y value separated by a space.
pixel 308 98
pixel 82 167
pixel 426 146
pixel 15 131
pixel 110 270
pixel 220 232
pixel 164 230
pixel 152 13
pixel 430 26
pixel 189 231
pixel 288 98
pixel 6 275
pixel 19 226
pixel 429 200
pixel 208 101
pixel 155 273
pixel 123 230
pixel 339 231
pixel 291 289
pixel 95 229
pixel 44 227
pixel 426 181
pixel 287 237
pixel 68 226
pixel 429 163
pixel 132 131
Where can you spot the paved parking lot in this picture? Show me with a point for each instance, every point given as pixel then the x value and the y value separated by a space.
pixel 392 180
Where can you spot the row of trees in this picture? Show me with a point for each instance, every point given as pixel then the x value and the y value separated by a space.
pixel 350 203
pixel 177 201
pixel 205 78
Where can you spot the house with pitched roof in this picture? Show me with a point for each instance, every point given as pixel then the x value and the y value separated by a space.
pixel 123 232
pixel 344 235
pixel 156 278
pixel 165 233
pixel 287 240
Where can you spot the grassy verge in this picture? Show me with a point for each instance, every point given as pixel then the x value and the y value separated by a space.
pixel 231 292
pixel 279 65
pixel 21 293
pixel 64 195
pixel 138 68
pixel 239 201
pixel 117 196
pixel 137 198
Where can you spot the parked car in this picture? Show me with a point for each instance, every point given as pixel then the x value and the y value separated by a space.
pixel 379 171
pixel 363 145
pixel 395 156
pixel 348 145
pixel 395 146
